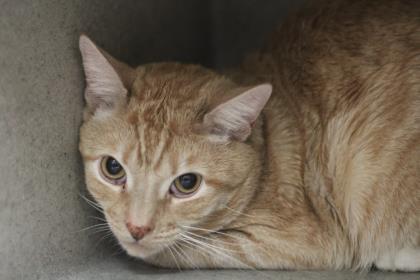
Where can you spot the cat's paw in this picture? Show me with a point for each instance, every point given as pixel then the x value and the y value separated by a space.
pixel 407 259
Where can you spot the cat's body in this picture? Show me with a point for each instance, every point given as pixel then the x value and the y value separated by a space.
pixel 329 178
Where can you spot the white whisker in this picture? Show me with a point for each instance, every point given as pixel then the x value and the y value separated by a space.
pixel 191 261
pixel 192 246
pixel 106 236
pixel 214 251
pixel 174 258
pixel 180 256
pixel 184 255
pixel 240 213
pixel 100 225
pixel 235 237
pixel 97 218
pixel 91 203
pixel 105 229
pixel 214 248
pixel 193 235
pixel 215 232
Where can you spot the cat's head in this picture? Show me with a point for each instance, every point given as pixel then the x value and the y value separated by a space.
pixel 167 148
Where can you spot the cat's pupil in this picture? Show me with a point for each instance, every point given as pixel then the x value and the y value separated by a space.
pixel 113 166
pixel 188 181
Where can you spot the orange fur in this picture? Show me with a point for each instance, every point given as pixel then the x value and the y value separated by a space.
pixel 329 177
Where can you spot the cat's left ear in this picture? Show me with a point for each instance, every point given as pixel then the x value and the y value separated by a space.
pixel 234 118
pixel 107 79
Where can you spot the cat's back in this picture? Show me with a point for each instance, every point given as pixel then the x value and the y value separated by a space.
pixel 331 55
pixel 330 44
pixel 352 70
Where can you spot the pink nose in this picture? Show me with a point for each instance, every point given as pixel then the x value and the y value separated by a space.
pixel 138 232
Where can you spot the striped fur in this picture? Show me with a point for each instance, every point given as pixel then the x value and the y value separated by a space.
pixel 329 177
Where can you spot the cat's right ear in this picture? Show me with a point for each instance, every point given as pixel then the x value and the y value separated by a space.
pixel 107 80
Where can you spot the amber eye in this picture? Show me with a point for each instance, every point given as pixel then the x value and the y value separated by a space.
pixel 185 184
pixel 112 170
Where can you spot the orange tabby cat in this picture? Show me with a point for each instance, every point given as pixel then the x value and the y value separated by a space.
pixel 196 169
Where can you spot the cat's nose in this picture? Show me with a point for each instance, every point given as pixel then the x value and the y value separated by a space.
pixel 138 232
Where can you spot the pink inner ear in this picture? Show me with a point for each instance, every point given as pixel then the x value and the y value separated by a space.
pixel 235 117
pixel 104 86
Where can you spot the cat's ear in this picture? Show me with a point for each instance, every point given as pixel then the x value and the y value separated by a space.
pixel 234 118
pixel 107 80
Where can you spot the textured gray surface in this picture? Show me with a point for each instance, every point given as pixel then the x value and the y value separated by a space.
pixel 41 85
pixel 128 270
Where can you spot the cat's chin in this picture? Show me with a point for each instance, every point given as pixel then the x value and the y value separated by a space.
pixel 139 250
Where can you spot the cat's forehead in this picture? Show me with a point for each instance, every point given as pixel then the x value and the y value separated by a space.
pixel 158 138
pixel 140 143
pixel 165 102
pixel 155 117
pixel 158 78
pixel 174 86
pixel 168 94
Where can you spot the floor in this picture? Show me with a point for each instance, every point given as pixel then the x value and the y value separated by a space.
pixel 124 269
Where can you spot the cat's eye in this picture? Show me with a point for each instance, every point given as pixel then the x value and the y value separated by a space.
pixel 112 170
pixel 185 185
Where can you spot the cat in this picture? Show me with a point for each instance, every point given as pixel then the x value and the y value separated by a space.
pixel 305 157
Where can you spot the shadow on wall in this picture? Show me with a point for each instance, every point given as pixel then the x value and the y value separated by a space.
pixel 147 31
pixel 214 33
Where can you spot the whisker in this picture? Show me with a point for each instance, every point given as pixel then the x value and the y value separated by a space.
pixel 179 255
pixel 89 200
pixel 215 232
pixel 105 229
pixel 92 227
pixel 194 245
pixel 236 237
pixel 211 239
pixel 93 204
pixel 194 266
pixel 200 249
pixel 185 256
pixel 217 251
pixel 103 238
pixel 239 212
pixel 191 246
pixel 205 252
pixel 203 248
pixel 174 258
pixel 97 218
pixel 208 245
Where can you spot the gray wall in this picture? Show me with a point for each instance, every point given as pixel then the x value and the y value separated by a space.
pixel 41 85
